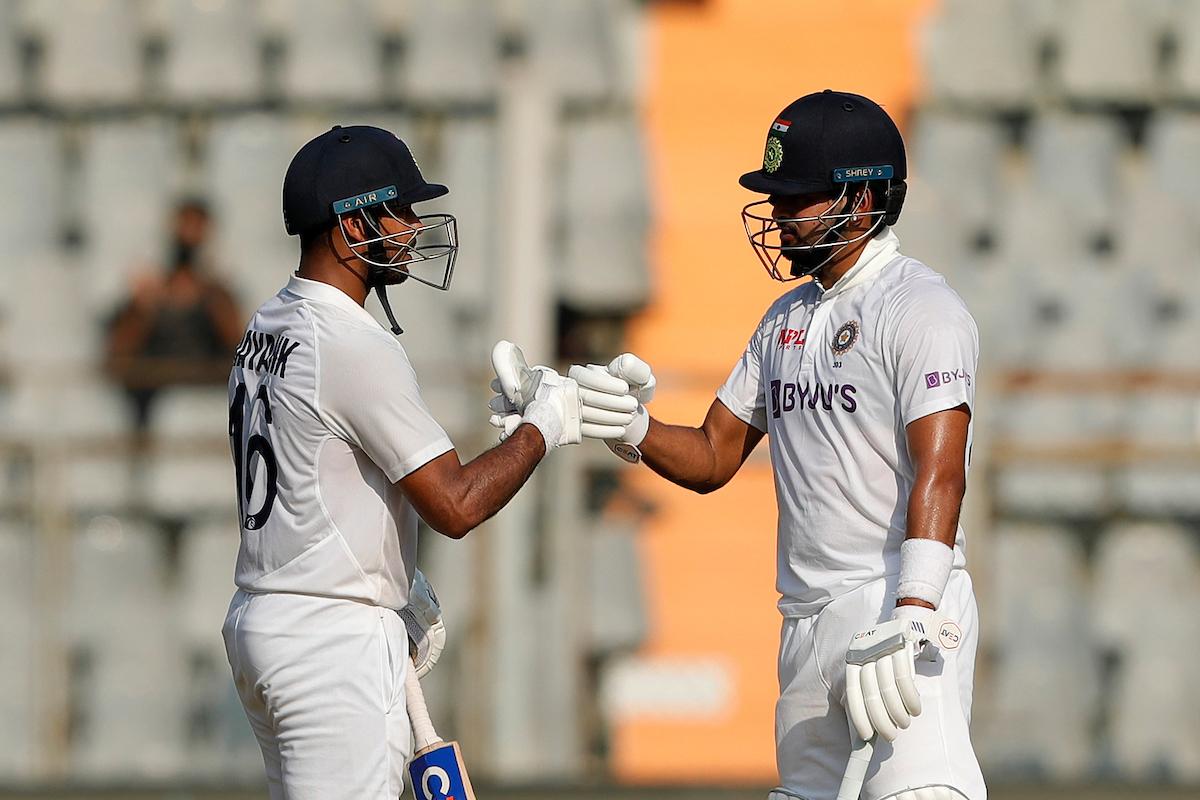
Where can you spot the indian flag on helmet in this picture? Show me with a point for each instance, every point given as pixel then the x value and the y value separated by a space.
pixel 781 125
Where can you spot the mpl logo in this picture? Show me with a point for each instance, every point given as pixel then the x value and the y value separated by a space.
pixel 790 338
pixel 936 379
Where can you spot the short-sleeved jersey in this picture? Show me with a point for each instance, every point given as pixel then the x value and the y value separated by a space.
pixel 834 377
pixel 325 416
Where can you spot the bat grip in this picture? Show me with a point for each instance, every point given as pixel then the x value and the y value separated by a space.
pixel 418 714
pixel 856 770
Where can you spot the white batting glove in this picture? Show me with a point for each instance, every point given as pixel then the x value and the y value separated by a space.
pixel 881 688
pixel 562 410
pixel 423 619
pixel 642 383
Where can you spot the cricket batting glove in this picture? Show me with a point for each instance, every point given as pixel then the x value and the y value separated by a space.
pixel 423 619
pixel 559 408
pixel 881 687
pixel 637 373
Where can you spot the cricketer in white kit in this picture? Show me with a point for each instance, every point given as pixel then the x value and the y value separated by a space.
pixel 863 379
pixel 336 455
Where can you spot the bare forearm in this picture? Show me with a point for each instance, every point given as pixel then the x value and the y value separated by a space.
pixel 681 454
pixel 488 482
pixel 934 506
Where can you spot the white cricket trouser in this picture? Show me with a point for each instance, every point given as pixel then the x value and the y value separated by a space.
pixel 322 682
pixel 812 733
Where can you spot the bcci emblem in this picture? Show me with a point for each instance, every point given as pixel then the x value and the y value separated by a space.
pixel 845 338
pixel 773 157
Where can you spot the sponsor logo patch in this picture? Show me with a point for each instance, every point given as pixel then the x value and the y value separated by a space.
pixel 815 397
pixel 790 338
pixel 935 379
pixel 371 198
pixel 949 636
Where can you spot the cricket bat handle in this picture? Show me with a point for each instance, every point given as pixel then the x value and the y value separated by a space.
pixel 418 715
pixel 856 770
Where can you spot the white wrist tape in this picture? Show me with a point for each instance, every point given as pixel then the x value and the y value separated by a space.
pixel 924 570
pixel 636 431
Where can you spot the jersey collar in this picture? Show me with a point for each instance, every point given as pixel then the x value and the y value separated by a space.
pixel 874 257
pixel 324 293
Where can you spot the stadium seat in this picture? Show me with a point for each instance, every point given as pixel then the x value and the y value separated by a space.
pixel 1108 52
pixel 1155 707
pixel 92 51
pixel 1075 159
pixel 1062 321
pixel 213 54
pixel 1172 140
pixel 1165 421
pixel 574 45
pixel 452 52
pixel 331 50
pixel 468 164
pixel 52 329
pixel 606 218
pixel 1183 80
pixel 962 158
pixel 616 607
pixel 31 161
pixel 10 55
pixel 18 734
pixel 191 412
pixel 129 172
pixel 126 665
pixel 247 157
pixel 1037 719
pixel 1042 421
pixel 1161 298
pixel 218 741
pixel 196 478
pixel 981 55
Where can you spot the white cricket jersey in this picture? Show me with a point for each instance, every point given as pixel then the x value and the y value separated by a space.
pixel 833 378
pixel 325 416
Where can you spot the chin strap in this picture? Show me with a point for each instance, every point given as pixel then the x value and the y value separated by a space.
pixel 381 293
pixel 376 251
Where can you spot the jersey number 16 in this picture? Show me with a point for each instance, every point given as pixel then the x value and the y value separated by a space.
pixel 252 454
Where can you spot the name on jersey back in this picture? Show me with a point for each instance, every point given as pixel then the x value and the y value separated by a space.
pixel 264 352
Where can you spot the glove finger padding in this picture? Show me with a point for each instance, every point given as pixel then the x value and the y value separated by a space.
pixel 623 403
pixel 597 379
pixel 517 381
pixel 856 709
pixel 636 373
pixel 892 702
pixel 592 430
pixel 906 681
pixel 603 416
pixel 873 700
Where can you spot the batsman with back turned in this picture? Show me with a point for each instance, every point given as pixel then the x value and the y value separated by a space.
pixel 336 454
pixel 863 380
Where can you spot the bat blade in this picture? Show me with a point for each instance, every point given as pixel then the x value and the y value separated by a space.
pixel 437 773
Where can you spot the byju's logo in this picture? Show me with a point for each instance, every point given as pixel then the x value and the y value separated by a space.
pixel 936 379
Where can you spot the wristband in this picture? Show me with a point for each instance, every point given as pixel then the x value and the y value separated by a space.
pixel 545 417
pixel 924 570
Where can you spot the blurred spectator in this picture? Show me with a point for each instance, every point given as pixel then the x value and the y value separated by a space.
pixel 179 326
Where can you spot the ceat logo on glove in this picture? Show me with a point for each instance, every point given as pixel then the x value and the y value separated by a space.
pixel 949 635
